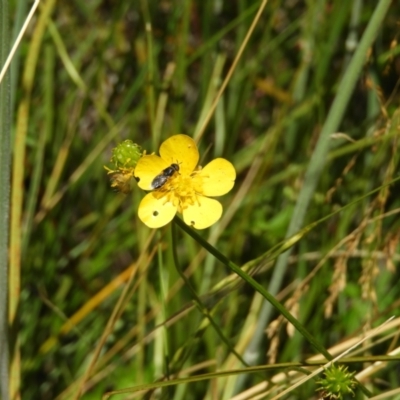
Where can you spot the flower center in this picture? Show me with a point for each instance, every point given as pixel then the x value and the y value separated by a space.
pixel 181 190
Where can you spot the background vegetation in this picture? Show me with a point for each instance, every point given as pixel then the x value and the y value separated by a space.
pixel 92 73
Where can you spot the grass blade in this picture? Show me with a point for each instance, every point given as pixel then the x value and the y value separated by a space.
pixel 5 158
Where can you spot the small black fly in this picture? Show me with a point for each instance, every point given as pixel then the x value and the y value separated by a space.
pixel 162 178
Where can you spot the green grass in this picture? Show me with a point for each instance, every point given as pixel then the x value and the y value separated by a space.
pixel 5 158
pixel 310 124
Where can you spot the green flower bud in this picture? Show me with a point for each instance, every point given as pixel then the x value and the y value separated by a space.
pixel 126 155
pixel 337 383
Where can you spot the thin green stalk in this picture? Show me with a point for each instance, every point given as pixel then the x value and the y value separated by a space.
pixel 200 305
pixel 201 377
pixel 220 374
pixel 5 159
pixel 319 156
pixel 269 297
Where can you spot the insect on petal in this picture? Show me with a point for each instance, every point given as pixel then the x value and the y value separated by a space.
pixel 180 149
pixel 217 178
pixel 154 212
pixel 147 168
pixel 204 214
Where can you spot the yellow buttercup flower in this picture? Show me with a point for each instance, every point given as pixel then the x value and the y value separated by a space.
pixel 178 186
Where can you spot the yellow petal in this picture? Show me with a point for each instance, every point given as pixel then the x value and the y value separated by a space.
pixel 204 214
pixel 182 150
pixel 154 212
pixel 147 168
pixel 217 178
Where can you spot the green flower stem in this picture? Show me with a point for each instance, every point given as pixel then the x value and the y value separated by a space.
pixel 203 309
pixel 271 299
